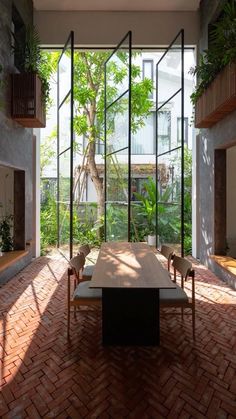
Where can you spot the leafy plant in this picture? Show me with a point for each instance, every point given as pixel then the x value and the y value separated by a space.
pixel 85 231
pixel 222 50
pixel 116 222
pixel 33 60
pixel 148 201
pixel 6 242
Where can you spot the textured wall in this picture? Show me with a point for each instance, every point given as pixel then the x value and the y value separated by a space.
pixel 108 28
pixel 15 141
pixel 221 135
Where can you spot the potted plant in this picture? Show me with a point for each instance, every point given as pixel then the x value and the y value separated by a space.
pixel 215 94
pixel 30 88
pixel 148 200
pixel 6 241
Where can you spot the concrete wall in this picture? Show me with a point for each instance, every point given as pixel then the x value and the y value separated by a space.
pixel 221 135
pixel 6 191
pixel 15 141
pixel 231 200
pixel 107 28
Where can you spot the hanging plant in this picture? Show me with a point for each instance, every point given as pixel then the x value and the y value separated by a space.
pixel 221 52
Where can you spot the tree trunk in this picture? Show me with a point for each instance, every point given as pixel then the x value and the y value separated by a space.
pixel 97 181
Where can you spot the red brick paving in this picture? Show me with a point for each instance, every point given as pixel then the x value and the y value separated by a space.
pixel 44 376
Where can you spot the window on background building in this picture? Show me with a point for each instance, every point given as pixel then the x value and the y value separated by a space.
pixel 185 131
pixel 100 147
pixel 148 72
pixel 164 131
pixel 143 141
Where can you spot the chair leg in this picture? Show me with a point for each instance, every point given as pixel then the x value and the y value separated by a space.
pixel 193 321
pixel 68 323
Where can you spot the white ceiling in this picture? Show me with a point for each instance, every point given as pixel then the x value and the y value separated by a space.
pixel 117 5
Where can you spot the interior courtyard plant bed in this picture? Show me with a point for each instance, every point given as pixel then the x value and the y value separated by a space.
pixel 27 100
pixel 218 100
pixel 215 94
pixel 30 87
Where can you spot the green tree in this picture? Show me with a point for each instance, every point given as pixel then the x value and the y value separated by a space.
pixel 89 107
pixel 89 103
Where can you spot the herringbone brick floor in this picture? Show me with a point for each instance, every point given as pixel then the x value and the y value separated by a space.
pixel 44 376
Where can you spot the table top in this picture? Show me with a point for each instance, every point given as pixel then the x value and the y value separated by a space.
pixel 129 265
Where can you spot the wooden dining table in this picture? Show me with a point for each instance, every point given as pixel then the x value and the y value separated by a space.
pixel 130 276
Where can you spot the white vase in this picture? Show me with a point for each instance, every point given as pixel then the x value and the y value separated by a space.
pixel 151 240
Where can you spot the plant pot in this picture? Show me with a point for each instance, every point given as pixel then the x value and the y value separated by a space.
pixel 151 240
pixel 218 100
pixel 27 106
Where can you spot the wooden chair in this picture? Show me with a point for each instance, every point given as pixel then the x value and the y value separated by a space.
pixel 177 297
pixel 88 269
pixel 168 252
pixel 82 294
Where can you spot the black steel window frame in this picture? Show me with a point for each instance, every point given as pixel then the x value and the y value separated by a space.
pixel 151 62
pixel 69 43
pixel 165 111
pixel 128 36
pixel 185 130
pixel 180 35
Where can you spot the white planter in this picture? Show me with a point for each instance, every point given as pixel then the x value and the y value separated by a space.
pixel 151 240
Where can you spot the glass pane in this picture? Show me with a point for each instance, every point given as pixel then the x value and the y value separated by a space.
pixel 168 125
pixel 116 221
pixel 169 73
pixel 169 199
pixel 117 125
pixel 117 64
pixel 117 177
pixel 64 201
pixel 117 143
pixel 143 208
pixel 65 125
pixel 64 68
pixel 143 141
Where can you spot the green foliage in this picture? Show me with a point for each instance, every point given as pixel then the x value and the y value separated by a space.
pixel 187 201
pixel 32 59
pixel 85 231
pixel 148 207
pixel 48 150
pixel 222 50
pixel 143 219
pixel 48 223
pixel 89 92
pixel 116 222
pixel 6 243
pixel 148 204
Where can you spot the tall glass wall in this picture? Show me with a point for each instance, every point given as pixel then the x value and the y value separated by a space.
pixel 169 163
pixel 117 142
pixel 65 149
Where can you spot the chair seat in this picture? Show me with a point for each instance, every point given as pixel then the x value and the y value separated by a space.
pixel 173 295
pixel 88 271
pixel 83 291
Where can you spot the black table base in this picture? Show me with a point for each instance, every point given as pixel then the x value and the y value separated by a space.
pixel 130 316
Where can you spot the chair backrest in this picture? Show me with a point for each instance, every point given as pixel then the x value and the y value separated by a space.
pixel 168 252
pixel 85 249
pixel 182 265
pixel 77 263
